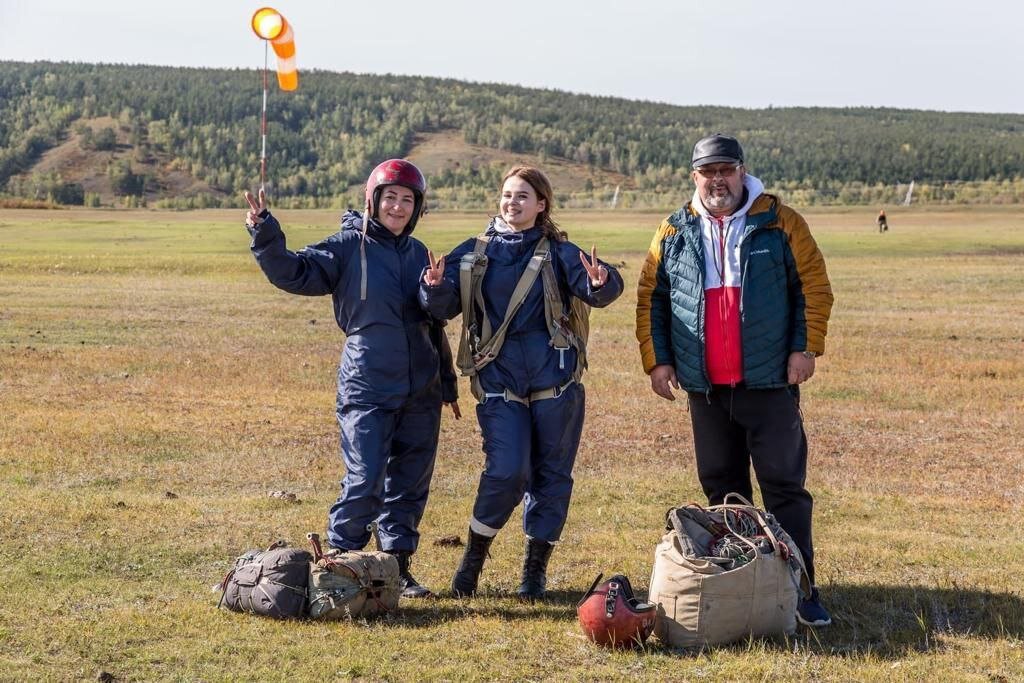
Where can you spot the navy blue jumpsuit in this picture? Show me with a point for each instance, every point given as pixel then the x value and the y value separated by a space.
pixel 389 383
pixel 529 450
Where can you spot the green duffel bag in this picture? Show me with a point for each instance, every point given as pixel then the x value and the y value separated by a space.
pixel 269 582
pixel 352 585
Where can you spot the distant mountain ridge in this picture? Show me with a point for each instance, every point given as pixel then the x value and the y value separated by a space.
pixel 91 133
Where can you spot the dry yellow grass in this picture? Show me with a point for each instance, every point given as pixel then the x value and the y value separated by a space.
pixel 143 353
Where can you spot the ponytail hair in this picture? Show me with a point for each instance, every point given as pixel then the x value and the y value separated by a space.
pixel 542 186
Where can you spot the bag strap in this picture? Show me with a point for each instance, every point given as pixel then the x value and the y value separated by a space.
pixel 737 496
pixel 224 587
pixel 318 552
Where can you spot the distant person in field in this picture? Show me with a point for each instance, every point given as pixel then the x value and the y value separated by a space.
pixel 732 307
pixel 396 368
pixel 883 224
pixel 531 402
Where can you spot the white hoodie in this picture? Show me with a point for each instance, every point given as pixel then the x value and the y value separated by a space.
pixel 722 238
pixel 732 230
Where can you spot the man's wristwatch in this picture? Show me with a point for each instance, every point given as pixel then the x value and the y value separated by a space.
pixel 809 354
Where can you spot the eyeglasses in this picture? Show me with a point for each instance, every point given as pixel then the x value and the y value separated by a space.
pixel 724 171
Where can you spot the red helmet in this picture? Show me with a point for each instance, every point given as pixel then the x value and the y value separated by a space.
pixel 396 172
pixel 612 617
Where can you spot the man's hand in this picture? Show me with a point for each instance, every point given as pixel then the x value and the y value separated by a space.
pixel 800 368
pixel 662 377
pixel 434 274
pixel 454 405
pixel 252 217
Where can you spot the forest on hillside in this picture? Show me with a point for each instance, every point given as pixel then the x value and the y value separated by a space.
pixel 330 132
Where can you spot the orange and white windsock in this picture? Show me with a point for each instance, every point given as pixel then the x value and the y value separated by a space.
pixel 269 24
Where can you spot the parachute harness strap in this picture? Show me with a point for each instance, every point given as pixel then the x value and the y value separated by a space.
pixel 554 315
pixel 542 395
pixel 478 346
pixel 471 274
pixel 490 345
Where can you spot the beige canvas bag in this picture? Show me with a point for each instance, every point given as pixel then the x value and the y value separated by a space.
pixel 352 585
pixel 701 601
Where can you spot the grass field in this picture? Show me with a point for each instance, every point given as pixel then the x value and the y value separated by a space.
pixel 154 387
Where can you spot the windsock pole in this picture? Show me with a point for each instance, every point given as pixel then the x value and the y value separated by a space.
pixel 268 24
pixel 263 121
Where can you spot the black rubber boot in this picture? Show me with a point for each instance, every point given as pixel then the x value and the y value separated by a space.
pixel 535 567
pixel 468 574
pixel 411 588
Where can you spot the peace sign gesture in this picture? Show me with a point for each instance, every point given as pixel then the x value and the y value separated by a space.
pixel 598 273
pixel 252 217
pixel 434 274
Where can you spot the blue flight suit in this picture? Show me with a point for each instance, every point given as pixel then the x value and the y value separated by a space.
pixel 389 382
pixel 529 449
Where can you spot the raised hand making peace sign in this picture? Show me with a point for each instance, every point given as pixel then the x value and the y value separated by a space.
pixel 252 217
pixel 598 273
pixel 435 270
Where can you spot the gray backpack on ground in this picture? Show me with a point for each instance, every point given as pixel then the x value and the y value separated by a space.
pixel 270 582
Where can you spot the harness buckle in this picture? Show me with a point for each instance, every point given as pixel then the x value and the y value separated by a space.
pixel 507 396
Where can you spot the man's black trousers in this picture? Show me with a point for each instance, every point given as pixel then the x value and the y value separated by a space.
pixel 736 427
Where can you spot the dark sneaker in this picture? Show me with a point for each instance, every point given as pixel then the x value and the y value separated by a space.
pixel 810 612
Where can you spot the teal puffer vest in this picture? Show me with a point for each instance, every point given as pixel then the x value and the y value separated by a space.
pixel 769 297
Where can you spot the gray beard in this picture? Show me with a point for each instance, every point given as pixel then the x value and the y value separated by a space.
pixel 727 202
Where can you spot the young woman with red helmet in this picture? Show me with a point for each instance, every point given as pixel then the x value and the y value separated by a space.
pixel 396 366
pixel 531 404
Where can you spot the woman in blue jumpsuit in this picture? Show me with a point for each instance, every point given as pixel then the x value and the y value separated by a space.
pixel 529 445
pixel 396 366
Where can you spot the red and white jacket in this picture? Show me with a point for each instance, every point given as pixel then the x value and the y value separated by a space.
pixel 723 345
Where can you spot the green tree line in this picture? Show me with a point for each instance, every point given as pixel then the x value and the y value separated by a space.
pixel 328 134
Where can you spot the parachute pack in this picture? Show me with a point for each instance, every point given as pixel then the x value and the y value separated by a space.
pixel 480 344
pixel 723 573
pixel 288 583
pixel 346 585
pixel 269 582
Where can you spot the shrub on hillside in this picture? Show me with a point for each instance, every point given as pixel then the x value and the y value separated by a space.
pixel 123 181
pixel 105 139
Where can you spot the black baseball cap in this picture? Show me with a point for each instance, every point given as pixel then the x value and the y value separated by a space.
pixel 716 149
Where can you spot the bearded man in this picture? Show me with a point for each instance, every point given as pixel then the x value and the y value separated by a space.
pixel 733 307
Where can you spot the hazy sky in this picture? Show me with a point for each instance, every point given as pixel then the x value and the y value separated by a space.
pixel 954 56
